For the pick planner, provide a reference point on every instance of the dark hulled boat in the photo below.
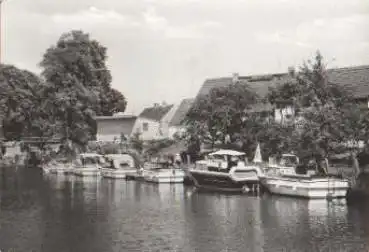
(225, 170)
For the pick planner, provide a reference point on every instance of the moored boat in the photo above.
(307, 186)
(225, 170)
(119, 166)
(161, 172)
(87, 165)
(164, 175)
(283, 179)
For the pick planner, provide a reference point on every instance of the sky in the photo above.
(163, 50)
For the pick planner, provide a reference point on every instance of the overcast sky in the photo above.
(163, 50)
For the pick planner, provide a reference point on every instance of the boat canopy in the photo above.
(87, 155)
(288, 155)
(89, 158)
(120, 159)
(227, 153)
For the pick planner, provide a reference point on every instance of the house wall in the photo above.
(108, 129)
(283, 114)
(154, 129)
(175, 129)
(166, 119)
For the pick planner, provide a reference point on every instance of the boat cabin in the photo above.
(119, 161)
(222, 160)
(285, 165)
(88, 160)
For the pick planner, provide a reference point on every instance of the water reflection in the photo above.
(226, 222)
(54, 213)
(302, 224)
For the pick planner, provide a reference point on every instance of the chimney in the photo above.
(156, 105)
(291, 71)
(234, 78)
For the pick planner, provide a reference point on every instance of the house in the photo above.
(150, 124)
(353, 79)
(110, 128)
(176, 122)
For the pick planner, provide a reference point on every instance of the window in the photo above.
(145, 126)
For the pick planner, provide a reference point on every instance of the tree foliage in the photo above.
(329, 116)
(79, 84)
(75, 85)
(136, 143)
(326, 117)
(220, 114)
(22, 104)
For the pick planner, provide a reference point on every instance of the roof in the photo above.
(115, 117)
(354, 79)
(181, 112)
(155, 113)
(258, 83)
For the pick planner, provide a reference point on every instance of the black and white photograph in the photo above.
(184, 125)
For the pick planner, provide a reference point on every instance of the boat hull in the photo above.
(61, 171)
(171, 176)
(116, 173)
(306, 188)
(86, 172)
(58, 169)
(223, 181)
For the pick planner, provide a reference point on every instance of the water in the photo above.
(57, 214)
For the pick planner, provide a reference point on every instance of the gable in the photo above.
(181, 112)
(155, 113)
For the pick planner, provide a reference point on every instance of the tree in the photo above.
(26, 112)
(113, 102)
(78, 84)
(330, 117)
(219, 114)
(137, 143)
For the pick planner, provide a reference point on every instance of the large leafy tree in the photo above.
(219, 116)
(79, 84)
(24, 110)
(329, 117)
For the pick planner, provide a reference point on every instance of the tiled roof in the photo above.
(115, 117)
(354, 79)
(258, 83)
(181, 112)
(155, 113)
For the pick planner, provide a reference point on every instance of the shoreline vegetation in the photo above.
(319, 119)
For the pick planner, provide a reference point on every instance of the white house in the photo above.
(175, 124)
(150, 123)
(110, 128)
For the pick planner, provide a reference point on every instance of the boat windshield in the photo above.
(216, 157)
(289, 160)
(89, 160)
(116, 163)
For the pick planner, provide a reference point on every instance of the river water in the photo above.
(60, 214)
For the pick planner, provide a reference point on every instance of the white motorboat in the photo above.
(87, 165)
(282, 179)
(164, 175)
(157, 172)
(119, 165)
(225, 170)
